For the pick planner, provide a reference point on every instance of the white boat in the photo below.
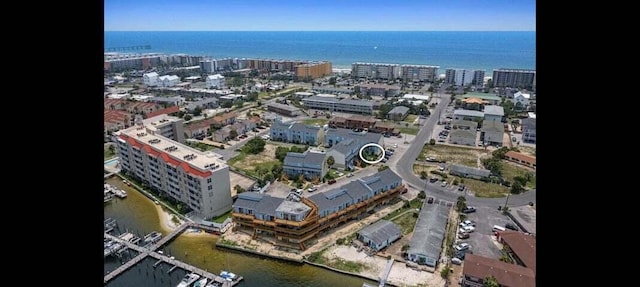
(228, 276)
(188, 280)
(201, 283)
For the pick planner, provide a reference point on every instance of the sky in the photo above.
(322, 15)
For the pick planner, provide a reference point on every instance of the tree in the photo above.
(238, 103)
(254, 146)
(332, 81)
(281, 153)
(383, 167)
(227, 105)
(330, 161)
(490, 281)
(499, 153)
(188, 117)
(461, 203)
(197, 111)
(233, 134)
(422, 194)
(520, 179)
(239, 188)
(432, 141)
(517, 188)
(423, 175)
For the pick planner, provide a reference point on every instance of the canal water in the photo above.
(138, 214)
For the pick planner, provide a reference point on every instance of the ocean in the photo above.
(464, 50)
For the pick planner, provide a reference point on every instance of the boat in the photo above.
(228, 276)
(188, 280)
(201, 283)
(152, 237)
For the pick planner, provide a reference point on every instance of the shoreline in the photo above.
(167, 225)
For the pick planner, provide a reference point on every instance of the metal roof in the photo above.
(429, 231)
(305, 159)
(380, 231)
(258, 202)
(461, 169)
(469, 113)
(494, 110)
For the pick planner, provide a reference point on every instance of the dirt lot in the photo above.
(373, 266)
(241, 180)
(251, 161)
(453, 154)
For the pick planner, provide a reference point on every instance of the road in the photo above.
(404, 168)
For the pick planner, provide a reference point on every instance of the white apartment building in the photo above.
(419, 73)
(198, 179)
(168, 81)
(216, 80)
(375, 71)
(150, 79)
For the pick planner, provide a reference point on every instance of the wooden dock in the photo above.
(144, 252)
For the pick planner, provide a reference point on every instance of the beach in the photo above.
(167, 223)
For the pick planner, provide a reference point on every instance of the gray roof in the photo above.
(462, 169)
(492, 126)
(465, 123)
(365, 103)
(347, 146)
(166, 99)
(380, 179)
(307, 158)
(471, 134)
(468, 113)
(347, 133)
(260, 203)
(494, 110)
(284, 107)
(295, 126)
(353, 190)
(399, 110)
(429, 230)
(528, 124)
(292, 207)
(380, 231)
(320, 99)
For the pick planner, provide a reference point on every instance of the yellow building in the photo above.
(313, 70)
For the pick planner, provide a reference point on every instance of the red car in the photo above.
(332, 181)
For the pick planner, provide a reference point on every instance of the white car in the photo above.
(468, 223)
(467, 229)
(462, 246)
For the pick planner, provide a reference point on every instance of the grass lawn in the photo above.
(452, 154)
(417, 168)
(108, 154)
(410, 131)
(410, 119)
(481, 188)
(221, 218)
(509, 171)
(200, 146)
(338, 263)
(333, 173)
(315, 121)
(263, 95)
(415, 203)
(406, 222)
(250, 162)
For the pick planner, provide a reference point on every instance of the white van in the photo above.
(498, 228)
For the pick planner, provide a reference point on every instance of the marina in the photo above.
(118, 244)
(109, 189)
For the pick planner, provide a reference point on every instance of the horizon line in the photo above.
(319, 30)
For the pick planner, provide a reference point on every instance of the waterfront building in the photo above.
(375, 71)
(199, 180)
(514, 78)
(313, 70)
(428, 234)
(296, 222)
(419, 73)
(379, 235)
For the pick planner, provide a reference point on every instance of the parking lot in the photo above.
(481, 239)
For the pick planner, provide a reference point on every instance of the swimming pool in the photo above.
(111, 161)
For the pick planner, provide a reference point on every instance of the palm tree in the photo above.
(330, 161)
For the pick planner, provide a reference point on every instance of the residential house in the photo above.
(215, 81)
(223, 134)
(116, 120)
(346, 144)
(477, 268)
(520, 158)
(398, 113)
(379, 235)
(469, 172)
(225, 119)
(470, 115)
(285, 110)
(353, 122)
(295, 132)
(521, 100)
(309, 164)
(150, 79)
(493, 113)
(492, 133)
(206, 103)
(490, 99)
(425, 246)
(168, 81)
(463, 137)
(529, 130)
(522, 247)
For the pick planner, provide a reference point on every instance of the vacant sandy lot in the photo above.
(400, 274)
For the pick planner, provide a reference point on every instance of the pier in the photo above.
(150, 250)
(385, 274)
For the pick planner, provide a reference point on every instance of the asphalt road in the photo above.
(404, 168)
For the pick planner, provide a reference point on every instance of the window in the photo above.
(210, 188)
(208, 180)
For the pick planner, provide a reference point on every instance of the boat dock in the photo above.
(385, 274)
(109, 189)
(125, 240)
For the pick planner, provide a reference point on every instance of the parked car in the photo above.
(461, 254)
(332, 181)
(430, 200)
(456, 261)
(469, 209)
(463, 235)
(468, 223)
(461, 187)
(350, 175)
(511, 226)
(443, 184)
(462, 246)
(433, 179)
(467, 228)
(311, 189)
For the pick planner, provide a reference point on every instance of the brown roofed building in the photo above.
(521, 158)
(523, 247)
(381, 127)
(167, 111)
(225, 119)
(353, 122)
(116, 120)
(477, 268)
